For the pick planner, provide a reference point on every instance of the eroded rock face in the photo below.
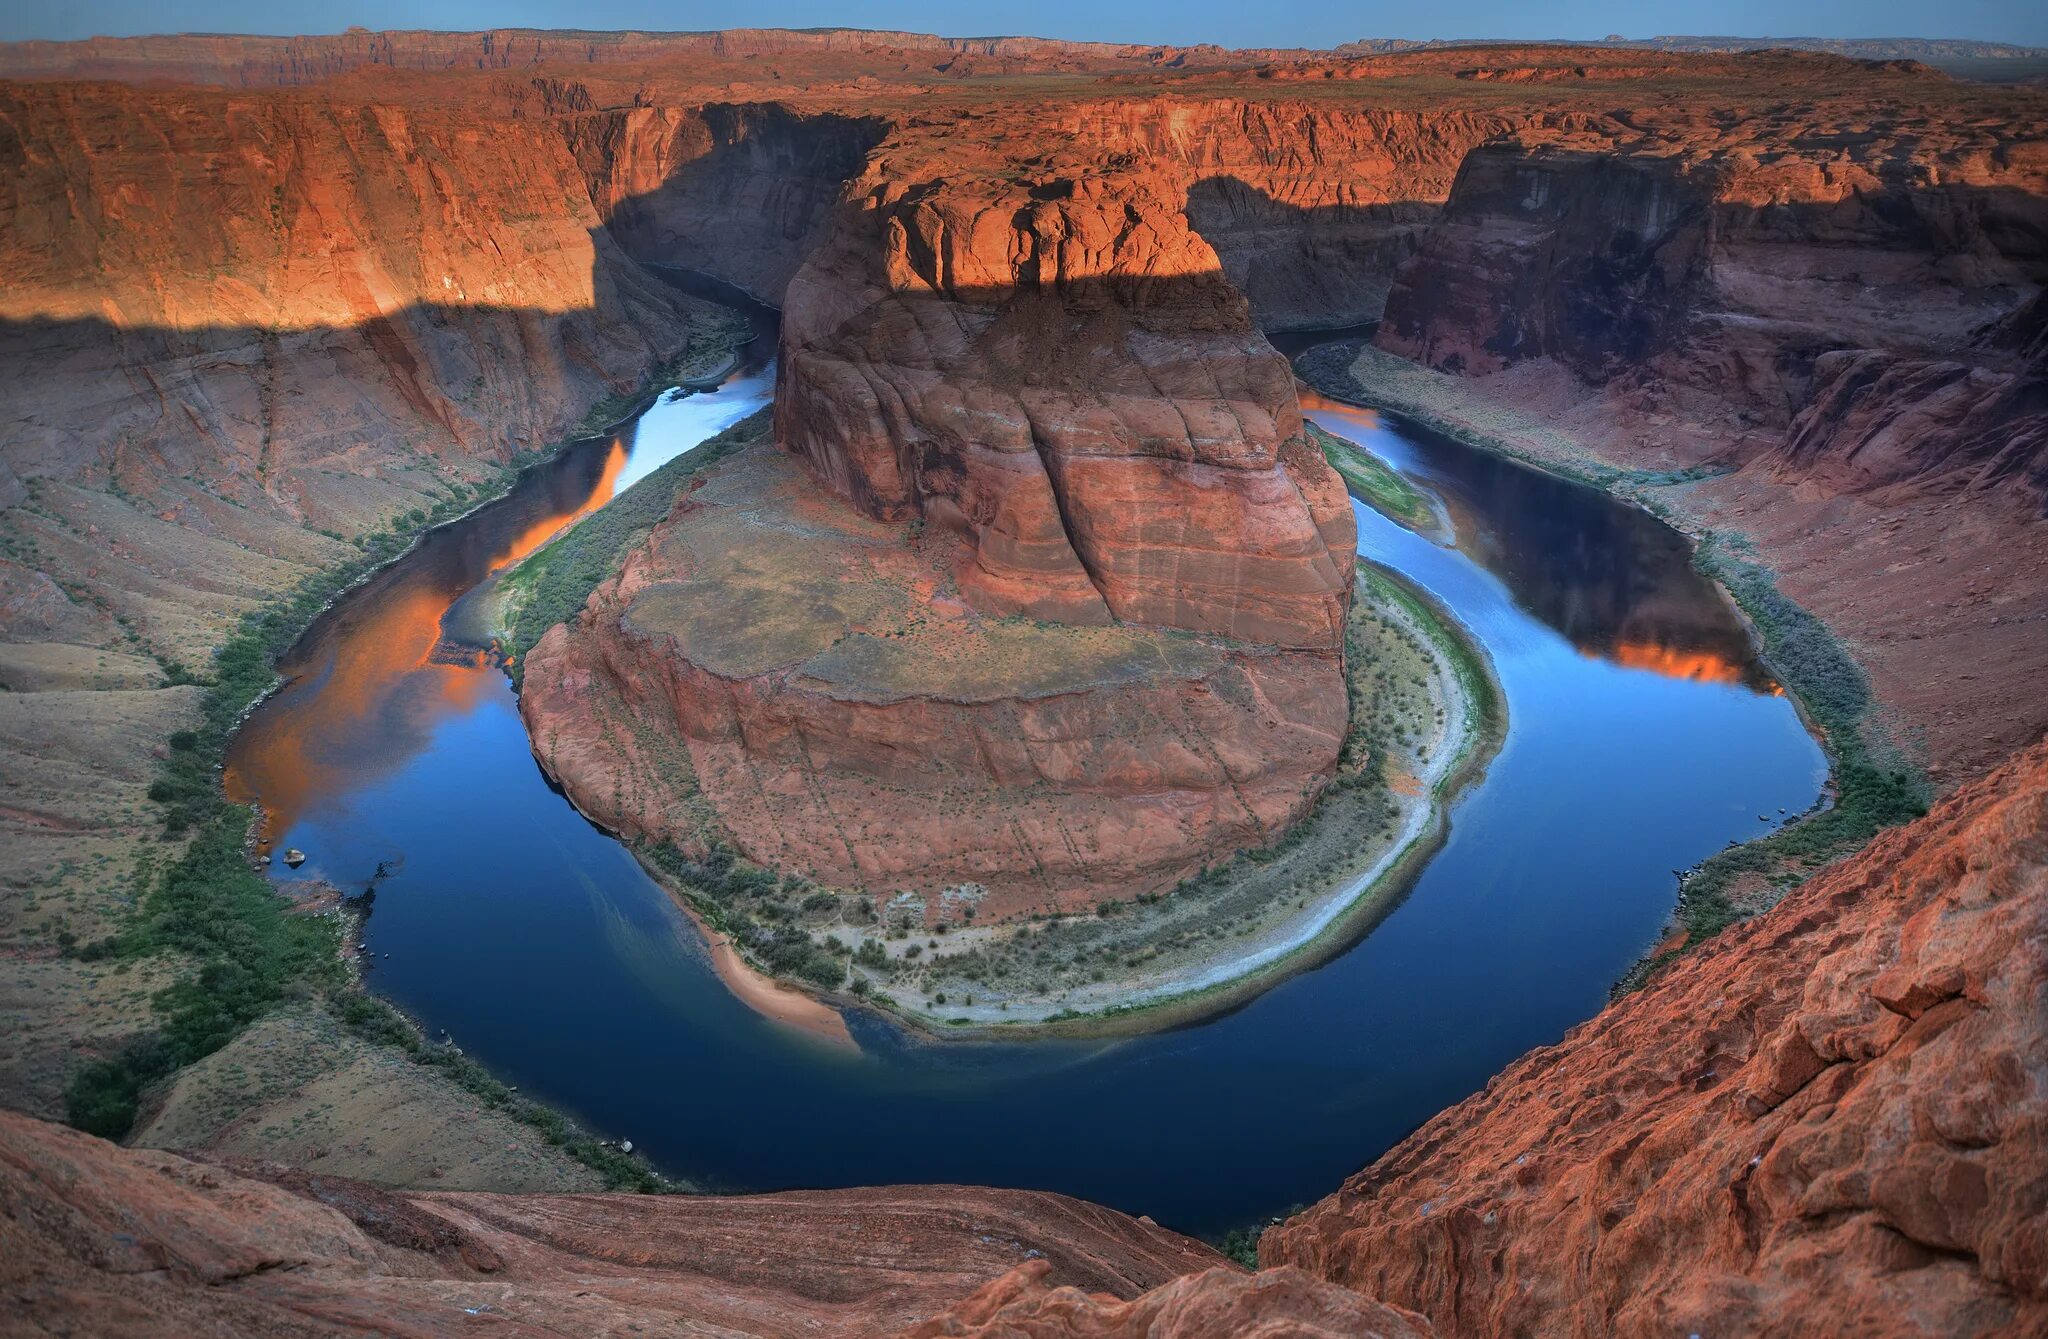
(1049, 362)
(847, 715)
(740, 192)
(1974, 420)
(266, 294)
(1834, 1117)
(1275, 1304)
(142, 1243)
(1822, 288)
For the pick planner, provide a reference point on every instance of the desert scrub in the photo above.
(552, 584)
(715, 335)
(1873, 789)
(241, 948)
(1372, 482)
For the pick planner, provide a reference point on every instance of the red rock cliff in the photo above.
(1047, 360)
(140, 1243)
(1833, 1118)
(266, 291)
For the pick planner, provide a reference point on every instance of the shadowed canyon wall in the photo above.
(245, 328)
(1827, 289)
(741, 192)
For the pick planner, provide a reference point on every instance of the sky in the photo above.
(1229, 22)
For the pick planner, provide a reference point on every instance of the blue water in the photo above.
(537, 942)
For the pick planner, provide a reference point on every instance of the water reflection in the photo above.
(366, 689)
(1617, 582)
(540, 943)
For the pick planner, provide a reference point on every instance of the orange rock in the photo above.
(845, 717)
(133, 1243)
(1048, 360)
(1275, 1304)
(1832, 1118)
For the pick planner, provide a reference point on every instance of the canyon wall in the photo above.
(1047, 361)
(1832, 1117)
(1838, 296)
(1312, 207)
(313, 311)
(739, 191)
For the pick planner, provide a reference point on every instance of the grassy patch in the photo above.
(551, 585)
(1872, 789)
(245, 948)
(1373, 483)
(715, 332)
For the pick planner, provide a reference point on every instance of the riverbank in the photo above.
(1874, 784)
(1427, 716)
(256, 953)
(1415, 777)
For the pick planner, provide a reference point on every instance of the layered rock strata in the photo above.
(1833, 1116)
(140, 1243)
(847, 714)
(1048, 362)
(1858, 311)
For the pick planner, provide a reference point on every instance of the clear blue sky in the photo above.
(1231, 22)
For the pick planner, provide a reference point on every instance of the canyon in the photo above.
(1835, 1110)
(1039, 537)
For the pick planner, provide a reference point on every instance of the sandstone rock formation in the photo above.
(140, 1243)
(1833, 1117)
(848, 716)
(741, 190)
(1275, 1304)
(1045, 359)
(1776, 286)
(328, 304)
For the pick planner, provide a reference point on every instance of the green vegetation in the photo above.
(247, 950)
(1241, 1244)
(715, 332)
(736, 897)
(1373, 483)
(243, 949)
(551, 585)
(1872, 790)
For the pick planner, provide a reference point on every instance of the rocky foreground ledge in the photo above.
(1832, 1119)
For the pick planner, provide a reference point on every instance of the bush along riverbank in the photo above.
(1426, 715)
(1873, 786)
(551, 585)
(244, 950)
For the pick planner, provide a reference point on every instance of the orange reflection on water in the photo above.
(373, 688)
(545, 529)
(1673, 663)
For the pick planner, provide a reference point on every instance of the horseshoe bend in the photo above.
(784, 681)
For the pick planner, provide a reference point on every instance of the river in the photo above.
(1643, 736)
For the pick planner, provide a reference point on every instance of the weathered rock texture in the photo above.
(1833, 1117)
(741, 191)
(1832, 291)
(140, 1243)
(846, 714)
(1045, 359)
(1275, 1304)
(255, 316)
